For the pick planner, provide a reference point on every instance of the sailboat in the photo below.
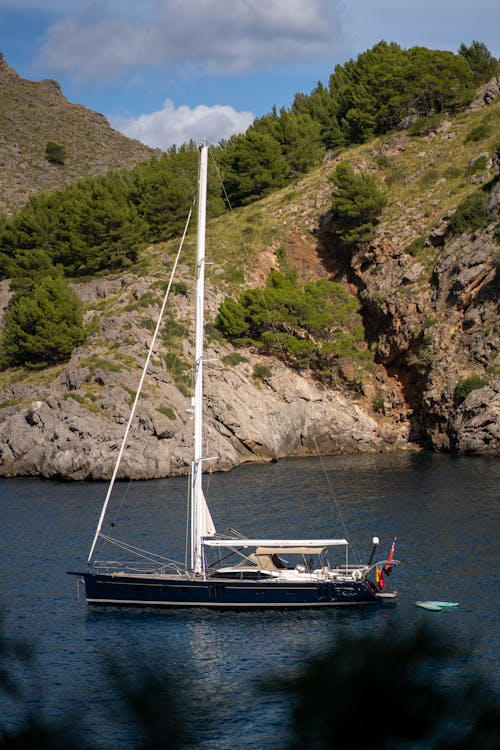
(230, 571)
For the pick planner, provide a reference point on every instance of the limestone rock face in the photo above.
(477, 424)
(487, 94)
(438, 327)
(73, 426)
(63, 435)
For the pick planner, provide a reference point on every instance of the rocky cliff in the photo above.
(437, 327)
(429, 302)
(71, 426)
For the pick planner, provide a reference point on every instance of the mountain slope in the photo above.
(33, 114)
(429, 300)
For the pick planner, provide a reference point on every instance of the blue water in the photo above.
(443, 510)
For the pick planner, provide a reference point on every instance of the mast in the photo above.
(197, 500)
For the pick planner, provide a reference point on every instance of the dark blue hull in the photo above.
(221, 593)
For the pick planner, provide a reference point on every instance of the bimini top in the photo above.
(289, 550)
(299, 546)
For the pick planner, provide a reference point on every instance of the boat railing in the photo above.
(136, 567)
(381, 564)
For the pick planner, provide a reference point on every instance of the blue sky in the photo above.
(165, 71)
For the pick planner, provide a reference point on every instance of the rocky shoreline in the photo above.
(430, 312)
(432, 328)
(60, 436)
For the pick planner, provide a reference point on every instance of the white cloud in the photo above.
(176, 125)
(215, 36)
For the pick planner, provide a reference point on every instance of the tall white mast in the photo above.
(198, 504)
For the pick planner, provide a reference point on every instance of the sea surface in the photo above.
(443, 510)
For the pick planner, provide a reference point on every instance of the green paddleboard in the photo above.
(436, 606)
(429, 605)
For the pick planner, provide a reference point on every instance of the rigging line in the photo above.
(124, 497)
(188, 524)
(330, 486)
(139, 388)
(245, 248)
(112, 524)
(148, 555)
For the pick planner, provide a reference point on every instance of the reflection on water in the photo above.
(443, 509)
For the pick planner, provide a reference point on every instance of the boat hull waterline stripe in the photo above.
(227, 594)
(220, 605)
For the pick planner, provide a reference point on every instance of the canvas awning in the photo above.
(289, 550)
(284, 544)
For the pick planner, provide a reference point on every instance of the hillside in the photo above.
(33, 114)
(429, 300)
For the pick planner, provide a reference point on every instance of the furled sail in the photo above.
(208, 526)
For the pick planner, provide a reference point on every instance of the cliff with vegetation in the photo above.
(46, 142)
(352, 301)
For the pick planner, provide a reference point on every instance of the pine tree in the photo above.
(42, 325)
(253, 166)
(481, 61)
(357, 204)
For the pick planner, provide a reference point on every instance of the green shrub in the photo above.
(425, 125)
(430, 177)
(212, 333)
(146, 300)
(167, 411)
(233, 359)
(180, 370)
(481, 131)
(42, 325)
(467, 385)
(470, 215)
(416, 246)
(479, 165)
(261, 372)
(96, 362)
(357, 203)
(422, 359)
(171, 330)
(395, 176)
(180, 287)
(147, 323)
(312, 325)
(55, 153)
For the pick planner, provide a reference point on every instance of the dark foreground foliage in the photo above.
(391, 692)
(371, 693)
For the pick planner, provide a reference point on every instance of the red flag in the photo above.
(379, 578)
(390, 557)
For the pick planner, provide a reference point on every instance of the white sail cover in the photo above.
(275, 543)
(208, 526)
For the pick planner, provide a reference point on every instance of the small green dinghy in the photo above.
(436, 606)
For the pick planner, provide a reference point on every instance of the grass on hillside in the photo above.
(424, 176)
